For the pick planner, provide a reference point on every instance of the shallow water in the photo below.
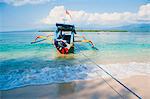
(22, 63)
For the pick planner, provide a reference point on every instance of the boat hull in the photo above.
(63, 47)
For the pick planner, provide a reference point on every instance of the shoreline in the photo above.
(84, 89)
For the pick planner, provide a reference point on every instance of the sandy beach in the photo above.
(89, 89)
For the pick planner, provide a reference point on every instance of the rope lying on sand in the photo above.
(111, 77)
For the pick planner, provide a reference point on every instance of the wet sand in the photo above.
(89, 89)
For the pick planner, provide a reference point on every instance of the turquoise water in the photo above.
(22, 63)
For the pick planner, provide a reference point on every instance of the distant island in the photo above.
(142, 27)
(101, 31)
(88, 31)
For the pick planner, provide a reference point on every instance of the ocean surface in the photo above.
(122, 54)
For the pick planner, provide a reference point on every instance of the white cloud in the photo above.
(23, 2)
(144, 12)
(57, 14)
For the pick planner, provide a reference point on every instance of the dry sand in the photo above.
(89, 89)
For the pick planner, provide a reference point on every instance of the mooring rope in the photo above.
(111, 77)
(110, 86)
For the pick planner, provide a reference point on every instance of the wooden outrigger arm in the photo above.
(84, 40)
(43, 38)
(48, 37)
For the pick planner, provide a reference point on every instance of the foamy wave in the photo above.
(126, 70)
(47, 75)
(44, 75)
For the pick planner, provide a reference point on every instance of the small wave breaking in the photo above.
(47, 75)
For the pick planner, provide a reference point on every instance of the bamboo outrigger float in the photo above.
(64, 38)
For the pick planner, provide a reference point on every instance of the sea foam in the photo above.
(47, 75)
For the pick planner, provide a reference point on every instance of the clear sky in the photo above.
(16, 15)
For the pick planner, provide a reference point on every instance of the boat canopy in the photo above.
(65, 27)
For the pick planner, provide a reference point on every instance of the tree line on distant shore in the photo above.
(88, 31)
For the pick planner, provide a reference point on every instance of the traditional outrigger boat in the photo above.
(64, 38)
